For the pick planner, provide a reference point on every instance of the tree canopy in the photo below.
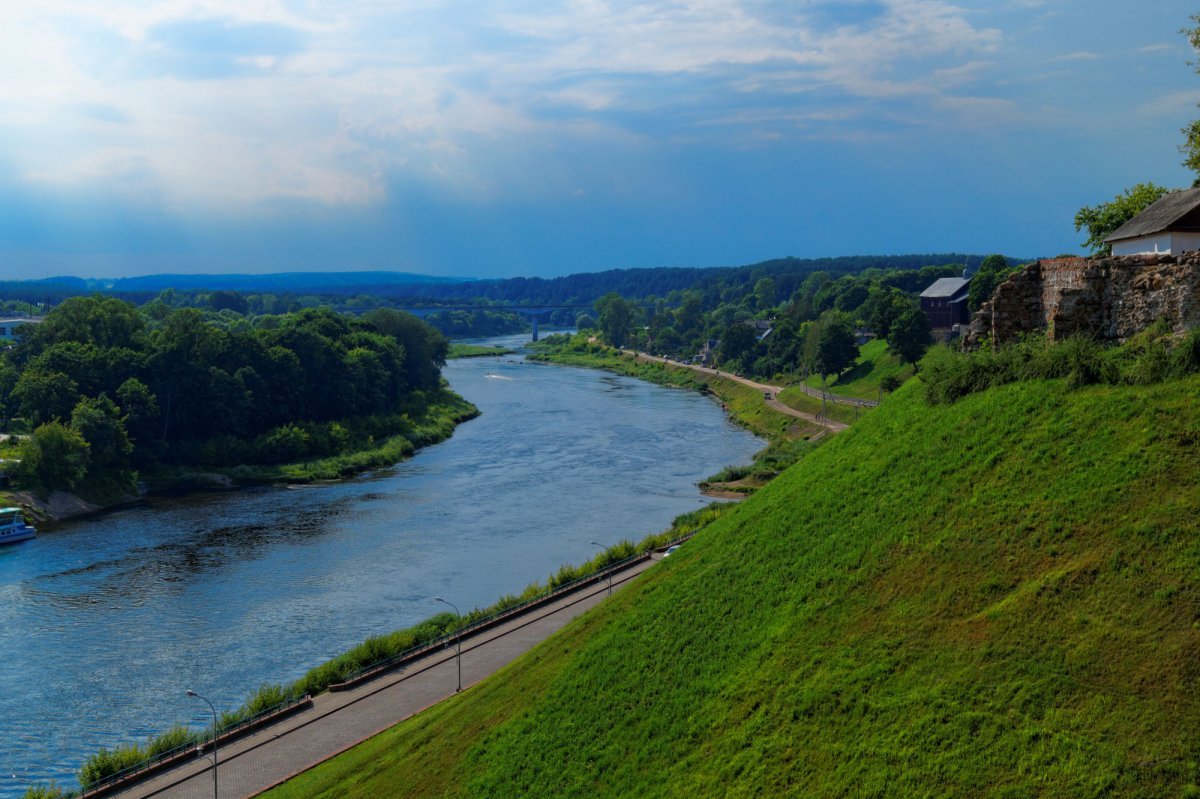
(1191, 132)
(1101, 220)
(185, 390)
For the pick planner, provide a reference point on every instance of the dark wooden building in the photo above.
(945, 302)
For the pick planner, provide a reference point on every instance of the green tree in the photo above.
(992, 272)
(98, 420)
(54, 457)
(1190, 149)
(228, 300)
(738, 343)
(689, 316)
(8, 403)
(141, 418)
(102, 321)
(837, 345)
(884, 304)
(42, 396)
(910, 336)
(425, 348)
(765, 295)
(1101, 220)
(615, 316)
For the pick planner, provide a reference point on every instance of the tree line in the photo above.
(106, 388)
(813, 328)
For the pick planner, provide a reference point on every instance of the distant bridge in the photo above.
(531, 311)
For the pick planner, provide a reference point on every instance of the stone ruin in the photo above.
(1109, 298)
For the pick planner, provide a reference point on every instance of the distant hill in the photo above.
(586, 287)
(581, 288)
(278, 282)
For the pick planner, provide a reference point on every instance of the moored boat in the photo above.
(13, 527)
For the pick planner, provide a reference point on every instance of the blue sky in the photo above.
(543, 137)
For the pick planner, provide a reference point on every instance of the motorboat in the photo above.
(13, 527)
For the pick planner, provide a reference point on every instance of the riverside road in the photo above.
(338, 721)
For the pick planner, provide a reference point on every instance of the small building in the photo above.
(945, 302)
(1169, 226)
(707, 353)
(9, 325)
(761, 328)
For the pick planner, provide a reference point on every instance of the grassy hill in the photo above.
(862, 381)
(999, 597)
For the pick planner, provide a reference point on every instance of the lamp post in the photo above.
(201, 749)
(609, 575)
(457, 640)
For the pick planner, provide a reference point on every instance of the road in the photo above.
(338, 721)
(831, 425)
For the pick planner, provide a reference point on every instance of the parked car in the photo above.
(671, 549)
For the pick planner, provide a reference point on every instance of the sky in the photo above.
(545, 137)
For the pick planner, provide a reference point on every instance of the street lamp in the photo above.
(457, 640)
(602, 546)
(200, 749)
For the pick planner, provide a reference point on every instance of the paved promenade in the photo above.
(337, 721)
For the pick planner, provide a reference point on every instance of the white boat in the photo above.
(13, 527)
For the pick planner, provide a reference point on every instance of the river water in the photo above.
(105, 622)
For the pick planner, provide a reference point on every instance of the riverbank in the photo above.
(789, 437)
(461, 350)
(379, 653)
(444, 411)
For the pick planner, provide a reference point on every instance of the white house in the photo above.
(9, 325)
(1168, 226)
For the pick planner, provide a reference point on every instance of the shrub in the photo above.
(285, 443)
(1185, 358)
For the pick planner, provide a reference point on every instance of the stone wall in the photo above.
(1109, 298)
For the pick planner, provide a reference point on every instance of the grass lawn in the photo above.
(460, 350)
(998, 598)
(875, 364)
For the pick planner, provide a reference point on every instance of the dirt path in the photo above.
(831, 425)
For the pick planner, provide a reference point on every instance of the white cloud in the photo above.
(1172, 104)
(375, 90)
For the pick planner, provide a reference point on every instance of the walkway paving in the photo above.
(338, 721)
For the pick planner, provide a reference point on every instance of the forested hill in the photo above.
(587, 287)
(582, 288)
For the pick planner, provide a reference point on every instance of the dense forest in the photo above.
(106, 388)
(788, 273)
(767, 323)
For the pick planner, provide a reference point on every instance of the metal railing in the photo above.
(171, 756)
(479, 625)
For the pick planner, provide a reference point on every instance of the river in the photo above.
(106, 622)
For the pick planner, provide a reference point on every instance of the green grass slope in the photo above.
(995, 598)
(862, 381)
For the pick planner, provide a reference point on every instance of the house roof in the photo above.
(1179, 210)
(946, 288)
